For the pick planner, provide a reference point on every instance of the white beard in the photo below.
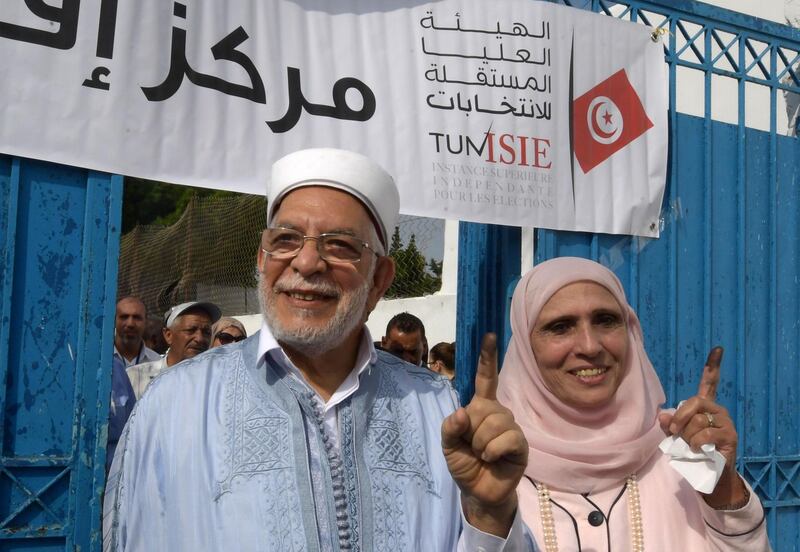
(314, 341)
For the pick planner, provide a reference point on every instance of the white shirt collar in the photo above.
(366, 357)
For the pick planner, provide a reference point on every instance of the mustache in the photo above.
(315, 284)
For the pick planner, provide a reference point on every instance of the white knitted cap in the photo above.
(344, 170)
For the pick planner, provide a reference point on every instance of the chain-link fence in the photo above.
(417, 246)
(210, 254)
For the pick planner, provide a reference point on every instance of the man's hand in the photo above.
(486, 451)
(700, 420)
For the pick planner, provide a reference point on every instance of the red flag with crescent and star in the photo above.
(607, 118)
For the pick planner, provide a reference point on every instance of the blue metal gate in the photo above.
(59, 242)
(726, 268)
(724, 271)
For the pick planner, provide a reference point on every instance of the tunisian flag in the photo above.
(606, 119)
(619, 127)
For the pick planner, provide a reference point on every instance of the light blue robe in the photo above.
(227, 452)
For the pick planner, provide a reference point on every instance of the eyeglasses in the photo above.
(225, 338)
(285, 243)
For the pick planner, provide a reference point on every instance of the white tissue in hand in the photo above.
(701, 469)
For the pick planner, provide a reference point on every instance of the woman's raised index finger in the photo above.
(710, 380)
(486, 375)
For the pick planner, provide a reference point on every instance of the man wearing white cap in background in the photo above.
(303, 436)
(187, 331)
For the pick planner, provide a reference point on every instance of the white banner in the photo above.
(509, 112)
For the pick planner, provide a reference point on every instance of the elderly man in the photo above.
(304, 437)
(129, 326)
(187, 331)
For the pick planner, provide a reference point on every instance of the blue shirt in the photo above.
(229, 451)
(122, 402)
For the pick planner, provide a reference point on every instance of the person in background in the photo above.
(227, 330)
(154, 335)
(129, 328)
(187, 332)
(443, 359)
(405, 338)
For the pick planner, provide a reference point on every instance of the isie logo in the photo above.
(504, 149)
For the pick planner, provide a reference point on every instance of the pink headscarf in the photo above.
(576, 450)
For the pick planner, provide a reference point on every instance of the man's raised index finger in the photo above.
(710, 380)
(486, 375)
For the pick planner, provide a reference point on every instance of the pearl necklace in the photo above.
(634, 515)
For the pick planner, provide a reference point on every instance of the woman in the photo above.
(579, 382)
(227, 330)
(443, 359)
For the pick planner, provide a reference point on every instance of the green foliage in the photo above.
(436, 269)
(397, 243)
(147, 202)
(415, 276)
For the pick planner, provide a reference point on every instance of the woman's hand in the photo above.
(700, 420)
